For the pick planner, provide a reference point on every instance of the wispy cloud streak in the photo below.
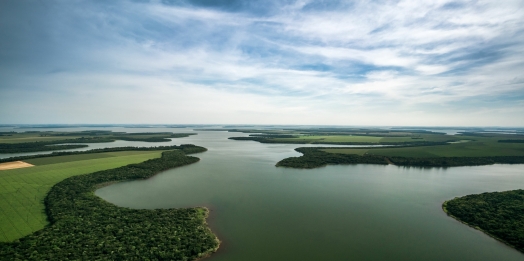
(315, 61)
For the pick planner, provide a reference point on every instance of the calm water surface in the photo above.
(351, 212)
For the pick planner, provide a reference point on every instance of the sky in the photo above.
(382, 63)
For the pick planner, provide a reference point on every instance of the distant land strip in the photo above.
(14, 142)
(314, 157)
(512, 141)
(65, 153)
(270, 139)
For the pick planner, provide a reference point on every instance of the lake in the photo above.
(346, 212)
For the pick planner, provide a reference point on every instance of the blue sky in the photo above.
(438, 63)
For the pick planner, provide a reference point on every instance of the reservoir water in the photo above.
(347, 212)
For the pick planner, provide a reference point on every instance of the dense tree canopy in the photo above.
(315, 157)
(499, 214)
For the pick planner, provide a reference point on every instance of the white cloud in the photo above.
(404, 57)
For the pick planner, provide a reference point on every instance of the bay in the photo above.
(347, 212)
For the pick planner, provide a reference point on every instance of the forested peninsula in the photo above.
(85, 227)
(498, 214)
(315, 157)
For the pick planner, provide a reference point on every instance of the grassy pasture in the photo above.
(64, 159)
(22, 191)
(333, 138)
(32, 137)
(347, 151)
(371, 139)
(422, 137)
(49, 136)
(70, 158)
(481, 147)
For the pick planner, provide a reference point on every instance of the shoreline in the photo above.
(314, 157)
(475, 227)
(206, 216)
(207, 212)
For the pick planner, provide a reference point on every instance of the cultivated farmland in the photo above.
(22, 191)
(472, 147)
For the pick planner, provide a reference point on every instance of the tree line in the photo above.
(85, 227)
(315, 157)
(499, 214)
(512, 141)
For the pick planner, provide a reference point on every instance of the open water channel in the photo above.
(347, 212)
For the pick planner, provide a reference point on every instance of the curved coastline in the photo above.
(496, 214)
(206, 216)
(84, 226)
(473, 226)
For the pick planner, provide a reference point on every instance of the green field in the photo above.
(347, 151)
(32, 137)
(22, 191)
(406, 149)
(474, 147)
(334, 138)
(351, 137)
(15, 142)
(466, 148)
(104, 136)
(70, 158)
(371, 139)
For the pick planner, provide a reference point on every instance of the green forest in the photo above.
(315, 157)
(499, 214)
(85, 227)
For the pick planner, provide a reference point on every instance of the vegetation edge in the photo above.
(313, 157)
(490, 213)
(78, 218)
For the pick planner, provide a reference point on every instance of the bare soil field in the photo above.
(14, 165)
